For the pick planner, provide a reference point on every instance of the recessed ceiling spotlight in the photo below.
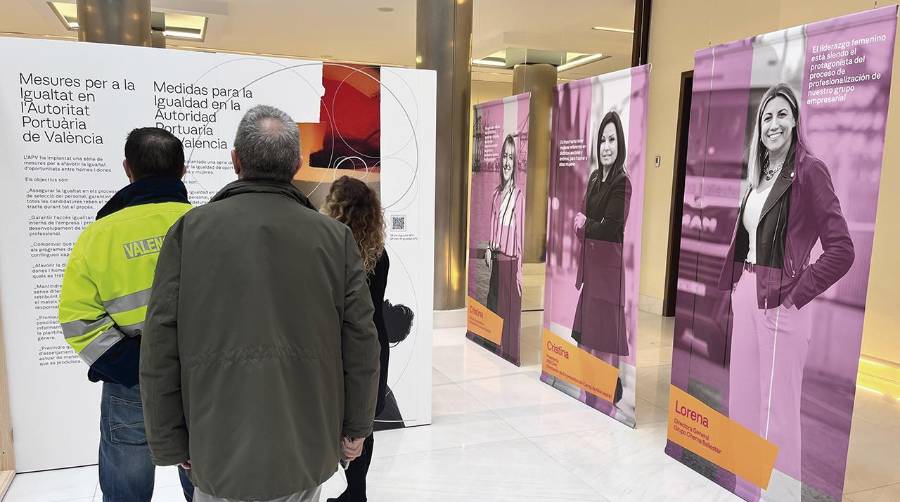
(614, 30)
(385, 9)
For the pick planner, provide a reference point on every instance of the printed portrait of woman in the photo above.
(600, 325)
(504, 253)
(789, 206)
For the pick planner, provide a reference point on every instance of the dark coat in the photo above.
(377, 284)
(600, 322)
(606, 208)
(800, 210)
(259, 349)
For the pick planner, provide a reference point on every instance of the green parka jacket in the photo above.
(259, 350)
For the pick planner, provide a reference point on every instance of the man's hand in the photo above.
(351, 448)
(186, 465)
(487, 257)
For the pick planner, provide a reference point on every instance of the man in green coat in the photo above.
(259, 364)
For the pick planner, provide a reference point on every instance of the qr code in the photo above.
(398, 223)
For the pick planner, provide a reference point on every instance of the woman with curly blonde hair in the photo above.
(354, 204)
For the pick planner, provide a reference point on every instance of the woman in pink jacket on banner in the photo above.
(504, 253)
(789, 206)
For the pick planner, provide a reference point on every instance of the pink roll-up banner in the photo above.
(497, 225)
(595, 213)
(783, 170)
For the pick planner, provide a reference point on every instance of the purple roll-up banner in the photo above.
(497, 225)
(594, 240)
(783, 169)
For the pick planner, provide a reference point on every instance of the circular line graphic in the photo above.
(283, 68)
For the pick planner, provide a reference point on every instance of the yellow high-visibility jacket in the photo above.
(106, 287)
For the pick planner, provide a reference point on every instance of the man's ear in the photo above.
(299, 165)
(128, 171)
(236, 162)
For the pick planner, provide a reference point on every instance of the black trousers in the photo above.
(356, 474)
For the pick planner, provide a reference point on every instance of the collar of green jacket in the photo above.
(253, 185)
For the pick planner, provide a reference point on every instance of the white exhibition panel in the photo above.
(65, 109)
(408, 121)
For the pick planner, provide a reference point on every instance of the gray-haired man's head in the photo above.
(267, 145)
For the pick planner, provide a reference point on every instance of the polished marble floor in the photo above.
(499, 434)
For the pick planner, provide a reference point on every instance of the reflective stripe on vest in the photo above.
(81, 328)
(132, 329)
(128, 302)
(91, 339)
(100, 344)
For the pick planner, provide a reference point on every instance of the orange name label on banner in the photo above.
(567, 362)
(483, 322)
(706, 432)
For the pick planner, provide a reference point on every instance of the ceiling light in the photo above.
(574, 56)
(495, 60)
(179, 26)
(187, 35)
(614, 30)
(512, 57)
(67, 13)
(185, 26)
(581, 61)
(493, 63)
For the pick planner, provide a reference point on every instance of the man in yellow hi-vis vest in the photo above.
(104, 298)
